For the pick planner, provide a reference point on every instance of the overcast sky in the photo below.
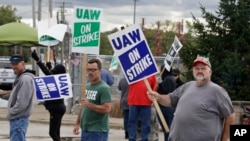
(117, 13)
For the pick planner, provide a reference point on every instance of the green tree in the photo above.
(226, 39)
(167, 34)
(8, 14)
(105, 46)
(168, 31)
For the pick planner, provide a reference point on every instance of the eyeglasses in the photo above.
(91, 69)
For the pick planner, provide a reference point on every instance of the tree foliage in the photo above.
(8, 14)
(167, 34)
(105, 46)
(225, 37)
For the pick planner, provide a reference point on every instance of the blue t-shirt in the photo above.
(107, 77)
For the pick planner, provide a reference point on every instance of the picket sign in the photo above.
(114, 63)
(52, 87)
(86, 30)
(173, 51)
(132, 50)
(86, 35)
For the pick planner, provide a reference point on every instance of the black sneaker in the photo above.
(126, 135)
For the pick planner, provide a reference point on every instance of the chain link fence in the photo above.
(76, 76)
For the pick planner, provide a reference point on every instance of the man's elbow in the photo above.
(111, 83)
(107, 108)
(230, 118)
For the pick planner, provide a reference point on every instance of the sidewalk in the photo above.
(41, 115)
(39, 121)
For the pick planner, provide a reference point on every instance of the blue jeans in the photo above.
(18, 129)
(168, 114)
(94, 136)
(135, 113)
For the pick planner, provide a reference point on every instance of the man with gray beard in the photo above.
(204, 110)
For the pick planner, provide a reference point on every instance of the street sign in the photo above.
(132, 50)
(86, 30)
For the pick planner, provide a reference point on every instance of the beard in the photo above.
(199, 78)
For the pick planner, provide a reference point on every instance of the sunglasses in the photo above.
(91, 69)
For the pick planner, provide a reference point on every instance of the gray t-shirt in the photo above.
(200, 112)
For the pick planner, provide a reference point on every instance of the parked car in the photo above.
(7, 76)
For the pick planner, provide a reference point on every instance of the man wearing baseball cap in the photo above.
(20, 100)
(16, 58)
(203, 60)
(204, 110)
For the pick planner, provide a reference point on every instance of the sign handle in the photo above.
(48, 54)
(48, 48)
(84, 73)
(158, 110)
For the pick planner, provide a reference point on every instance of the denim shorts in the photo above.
(94, 136)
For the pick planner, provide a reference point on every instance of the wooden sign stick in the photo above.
(158, 110)
(84, 73)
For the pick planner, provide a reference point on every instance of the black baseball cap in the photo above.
(175, 72)
(16, 58)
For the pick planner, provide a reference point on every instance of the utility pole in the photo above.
(50, 9)
(62, 14)
(142, 25)
(158, 40)
(180, 33)
(61, 19)
(63, 22)
(34, 67)
(39, 17)
(134, 10)
(34, 13)
(65, 52)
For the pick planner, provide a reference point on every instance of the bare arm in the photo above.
(226, 129)
(162, 99)
(103, 108)
(77, 124)
(5, 92)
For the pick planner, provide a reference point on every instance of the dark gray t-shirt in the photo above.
(123, 87)
(200, 112)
